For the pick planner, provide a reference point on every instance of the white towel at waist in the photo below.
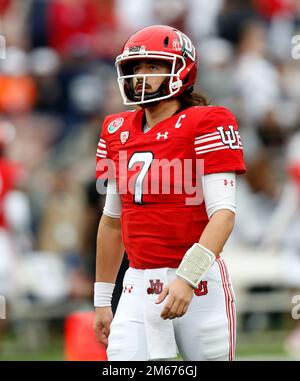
(160, 334)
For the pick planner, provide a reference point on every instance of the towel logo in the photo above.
(202, 288)
(128, 288)
(156, 286)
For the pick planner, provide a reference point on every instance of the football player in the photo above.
(177, 295)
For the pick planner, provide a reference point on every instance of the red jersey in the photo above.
(157, 176)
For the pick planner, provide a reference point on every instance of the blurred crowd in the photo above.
(58, 81)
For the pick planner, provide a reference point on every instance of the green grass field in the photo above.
(260, 346)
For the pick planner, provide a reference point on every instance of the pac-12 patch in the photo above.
(115, 125)
(124, 135)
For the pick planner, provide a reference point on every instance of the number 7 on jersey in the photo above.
(140, 157)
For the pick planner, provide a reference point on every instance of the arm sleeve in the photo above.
(218, 143)
(219, 191)
(113, 206)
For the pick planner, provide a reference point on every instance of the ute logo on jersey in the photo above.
(124, 135)
(115, 125)
(156, 286)
(230, 138)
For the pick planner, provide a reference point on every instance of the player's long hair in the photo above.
(189, 99)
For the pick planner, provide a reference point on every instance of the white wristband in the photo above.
(195, 264)
(103, 293)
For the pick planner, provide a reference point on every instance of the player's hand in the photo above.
(179, 295)
(102, 323)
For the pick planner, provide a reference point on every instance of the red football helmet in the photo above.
(157, 42)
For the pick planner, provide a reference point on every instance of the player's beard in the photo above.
(159, 92)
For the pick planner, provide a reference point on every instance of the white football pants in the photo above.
(206, 332)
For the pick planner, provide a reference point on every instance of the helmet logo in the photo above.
(176, 45)
(115, 125)
(187, 47)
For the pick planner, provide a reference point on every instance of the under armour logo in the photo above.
(128, 288)
(230, 138)
(160, 135)
(156, 287)
(226, 182)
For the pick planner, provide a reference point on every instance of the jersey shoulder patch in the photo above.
(112, 123)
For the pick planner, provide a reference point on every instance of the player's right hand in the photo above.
(102, 323)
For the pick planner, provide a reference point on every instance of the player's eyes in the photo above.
(136, 69)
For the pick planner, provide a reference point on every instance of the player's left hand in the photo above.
(179, 295)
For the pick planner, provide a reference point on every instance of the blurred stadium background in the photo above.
(57, 81)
